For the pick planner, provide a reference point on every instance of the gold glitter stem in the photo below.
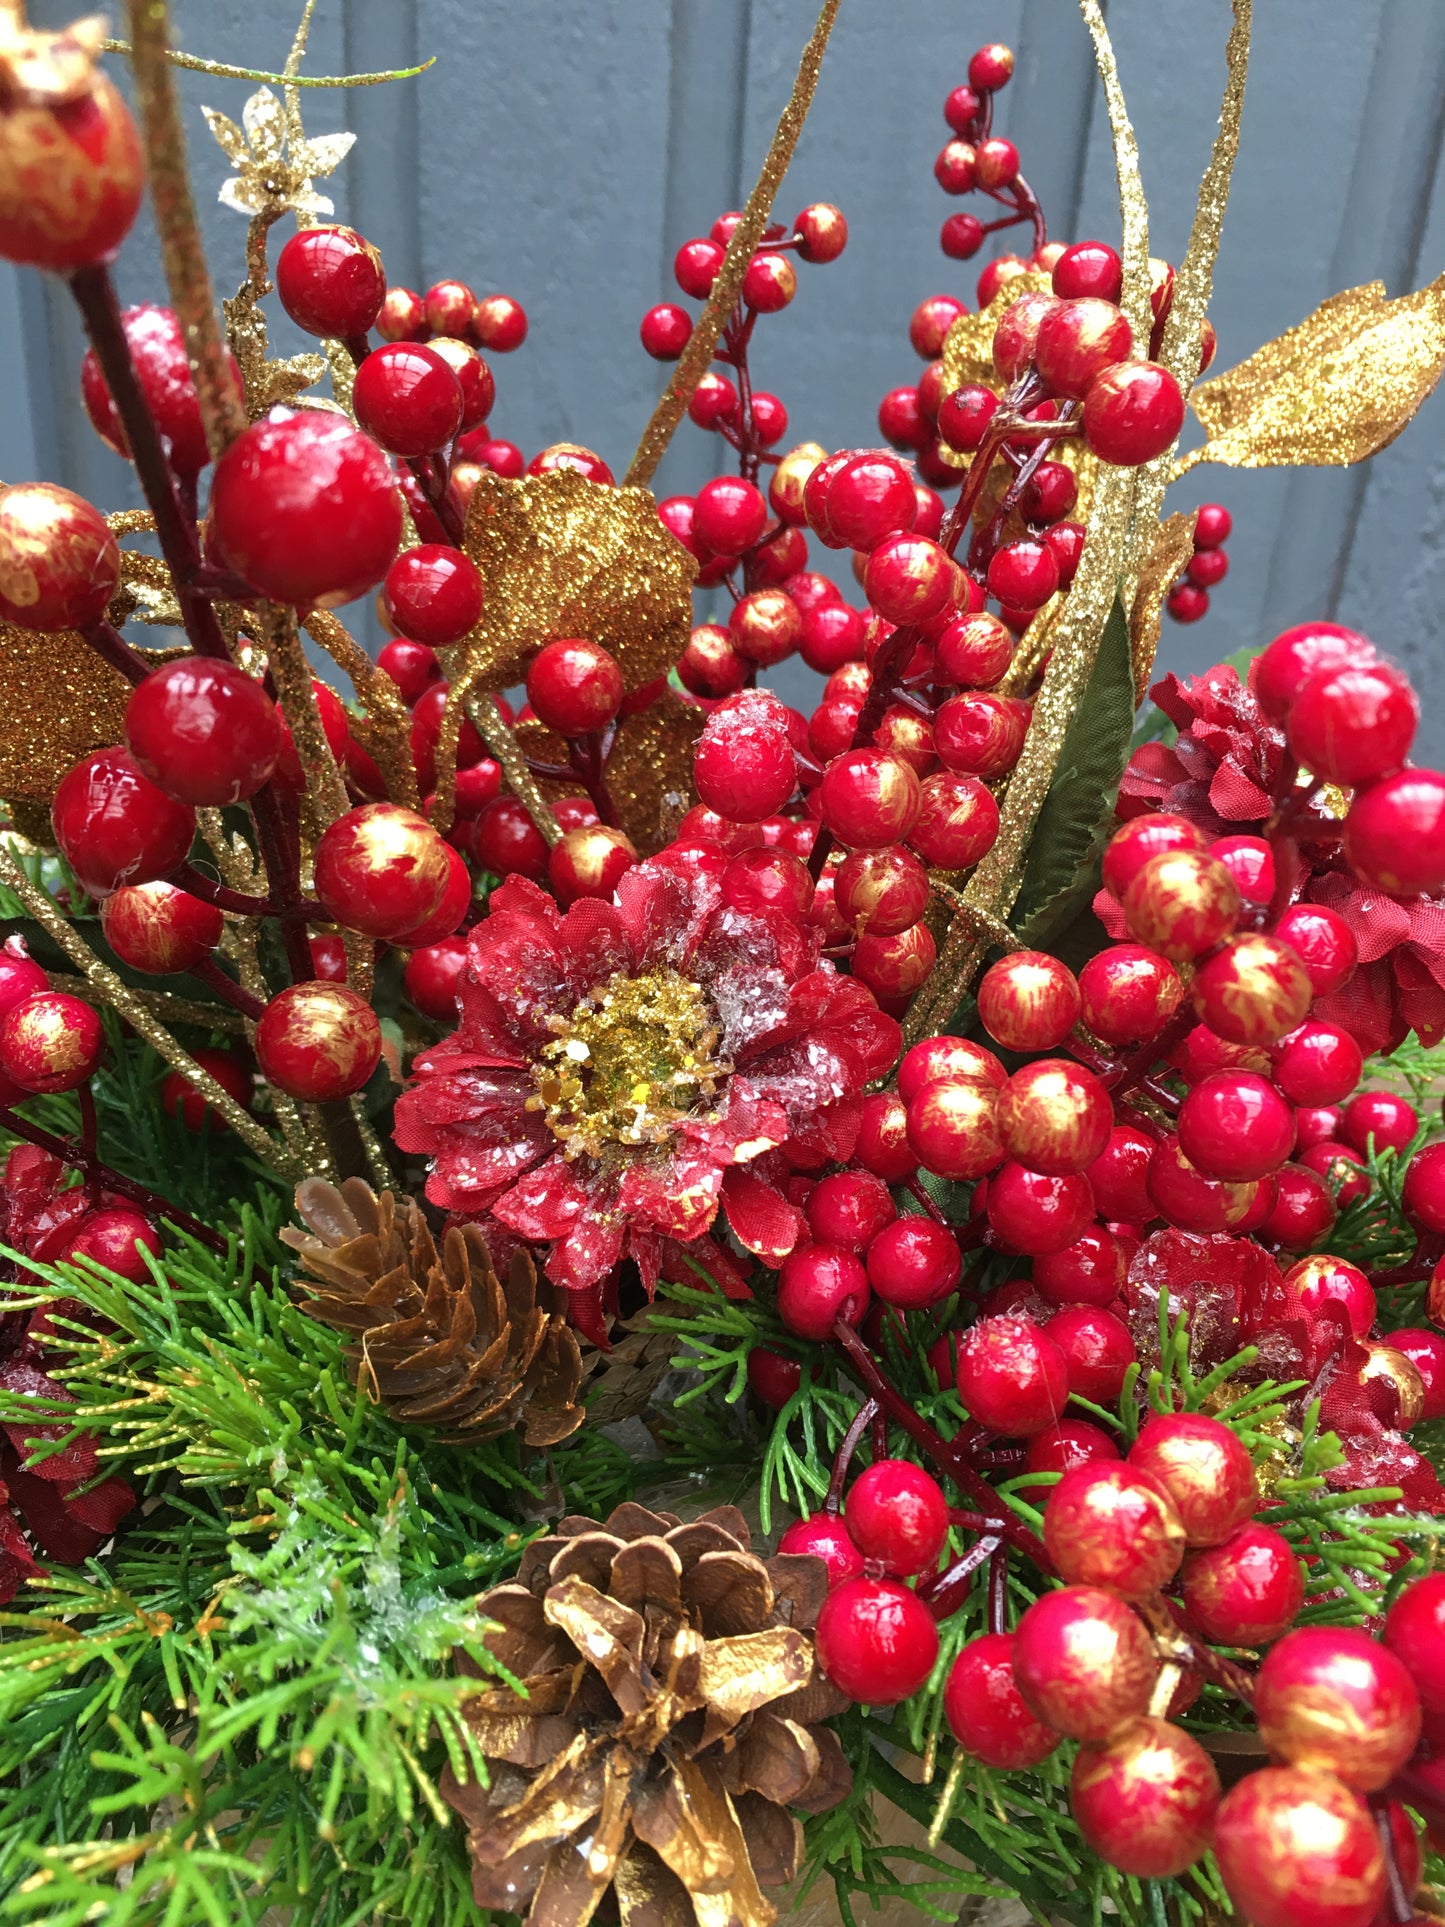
(381, 1172)
(170, 1009)
(222, 408)
(1133, 209)
(325, 789)
(193, 63)
(469, 673)
(503, 744)
(131, 522)
(697, 355)
(381, 699)
(104, 984)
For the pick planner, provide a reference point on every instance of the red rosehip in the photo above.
(1078, 341)
(1083, 1661)
(817, 1285)
(1253, 990)
(330, 281)
(1187, 1198)
(500, 323)
(1245, 1591)
(1012, 1377)
(1182, 903)
(59, 562)
(1054, 1116)
(824, 1536)
(115, 826)
(876, 1641)
(1296, 1845)
(318, 1041)
(1323, 942)
(665, 331)
(156, 928)
(432, 978)
(896, 1514)
(50, 1042)
(203, 730)
(1088, 270)
(1353, 725)
(1029, 1001)
(433, 595)
(1395, 833)
(957, 821)
(575, 686)
(1098, 1350)
(1145, 1798)
(986, 1712)
(306, 508)
(1334, 1699)
(381, 869)
(1118, 1176)
(1205, 1469)
(1281, 669)
(1073, 1441)
(1380, 1116)
(1236, 1126)
(1132, 413)
(913, 1263)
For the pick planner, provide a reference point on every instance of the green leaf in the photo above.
(1068, 837)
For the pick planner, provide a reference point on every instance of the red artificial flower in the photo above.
(622, 1071)
(1222, 769)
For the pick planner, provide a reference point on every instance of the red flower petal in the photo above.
(681, 1264)
(594, 945)
(583, 1258)
(17, 1561)
(544, 1203)
(78, 1460)
(762, 1221)
(678, 1197)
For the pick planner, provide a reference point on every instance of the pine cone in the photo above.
(669, 1727)
(442, 1341)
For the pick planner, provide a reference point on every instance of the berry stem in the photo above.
(113, 648)
(197, 884)
(998, 1590)
(89, 1127)
(1401, 1906)
(96, 1173)
(944, 1593)
(862, 1419)
(585, 763)
(210, 973)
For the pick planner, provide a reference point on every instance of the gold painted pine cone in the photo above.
(443, 1342)
(670, 1726)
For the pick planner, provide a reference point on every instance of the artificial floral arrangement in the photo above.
(623, 1308)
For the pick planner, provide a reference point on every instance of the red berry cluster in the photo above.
(1188, 600)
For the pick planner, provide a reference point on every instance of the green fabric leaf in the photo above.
(1069, 835)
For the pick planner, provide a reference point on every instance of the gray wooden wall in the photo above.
(561, 149)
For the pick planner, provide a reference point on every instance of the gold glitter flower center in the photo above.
(635, 1057)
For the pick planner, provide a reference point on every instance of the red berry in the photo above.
(450, 308)
(1078, 341)
(1246, 1591)
(71, 167)
(1117, 1176)
(1253, 990)
(1023, 574)
(896, 1514)
(769, 282)
(871, 496)
(20, 975)
(980, 734)
(745, 772)
(1338, 1164)
(1250, 861)
(1187, 603)
(1316, 1125)
(452, 906)
(432, 978)
(986, 1712)
(1098, 1350)
(1011, 1375)
(997, 275)
(433, 595)
(849, 1209)
(381, 869)
(729, 515)
(1109, 1525)
(930, 322)
(1323, 1281)
(408, 398)
(115, 826)
(1425, 1350)
(585, 461)
(575, 686)
(953, 1128)
(955, 169)
(997, 162)
(765, 626)
(1353, 725)
(318, 1041)
(817, 1285)
(1389, 1120)
(1073, 1441)
(895, 966)
(1212, 525)
(913, 1263)
(957, 821)
(822, 232)
(910, 579)
(1395, 833)
(156, 928)
(1143, 837)
(1029, 1001)
(1050, 492)
(1187, 1198)
(1303, 1211)
(948, 1057)
(1054, 1116)
(1017, 331)
(1323, 942)
(883, 1146)
(1236, 1126)
(881, 892)
(117, 1238)
(870, 798)
(1207, 568)
(1145, 1798)
(824, 1536)
(203, 730)
(1036, 1214)
(1132, 413)
(1415, 1634)
(50, 1042)
(1083, 1661)
(500, 323)
(1317, 1064)
(1281, 669)
(1090, 1271)
(990, 68)
(1205, 1469)
(1088, 269)
(973, 651)
(59, 562)
(402, 315)
(769, 880)
(1333, 1698)
(1296, 1846)
(590, 861)
(964, 416)
(1129, 993)
(306, 508)
(876, 1641)
(163, 370)
(330, 281)
(1181, 903)
(665, 331)
(181, 1100)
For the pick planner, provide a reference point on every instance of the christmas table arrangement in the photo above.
(640, 1304)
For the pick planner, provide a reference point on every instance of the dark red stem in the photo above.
(210, 973)
(863, 1418)
(100, 1174)
(113, 648)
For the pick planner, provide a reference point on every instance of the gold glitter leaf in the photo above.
(968, 345)
(649, 772)
(1165, 563)
(60, 701)
(1339, 387)
(561, 556)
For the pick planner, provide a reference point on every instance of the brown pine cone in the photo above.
(443, 1342)
(670, 1725)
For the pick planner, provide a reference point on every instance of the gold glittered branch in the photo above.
(194, 64)
(1133, 209)
(702, 342)
(223, 408)
(390, 735)
(503, 744)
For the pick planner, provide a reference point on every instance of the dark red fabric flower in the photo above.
(1222, 769)
(625, 1070)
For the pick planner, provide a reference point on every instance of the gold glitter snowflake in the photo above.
(275, 166)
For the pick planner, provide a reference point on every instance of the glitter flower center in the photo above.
(634, 1057)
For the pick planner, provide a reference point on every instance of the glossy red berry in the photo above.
(50, 1042)
(1129, 993)
(330, 281)
(203, 730)
(1322, 1281)
(306, 508)
(769, 282)
(870, 799)
(930, 322)
(1245, 1591)
(156, 928)
(1088, 270)
(896, 1514)
(1323, 942)
(765, 626)
(1132, 413)
(408, 398)
(883, 1146)
(1333, 1698)
(1415, 1634)
(876, 1641)
(1188, 1199)
(1425, 1350)
(1073, 1441)
(881, 892)
(402, 316)
(1236, 1126)
(946, 1056)
(1091, 1271)
(986, 1712)
(1054, 1116)
(665, 331)
(1109, 1525)
(1017, 331)
(1395, 833)
(1012, 1377)
(910, 579)
(1282, 668)
(433, 595)
(1145, 1798)
(1341, 1167)
(1143, 837)
(1083, 1661)
(1031, 1213)
(823, 1536)
(1098, 1350)
(1380, 1116)
(1023, 574)
(980, 734)
(318, 1041)
(115, 826)
(20, 975)
(729, 515)
(957, 821)
(575, 686)
(1118, 1176)
(953, 1128)
(1353, 725)
(1078, 341)
(870, 497)
(819, 1284)
(1029, 1001)
(1181, 903)
(1303, 1212)
(59, 562)
(913, 1263)
(163, 371)
(118, 1238)
(1318, 1064)
(1295, 1846)
(71, 167)
(590, 861)
(500, 323)
(1205, 1469)
(1253, 990)
(964, 416)
(432, 978)
(381, 869)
